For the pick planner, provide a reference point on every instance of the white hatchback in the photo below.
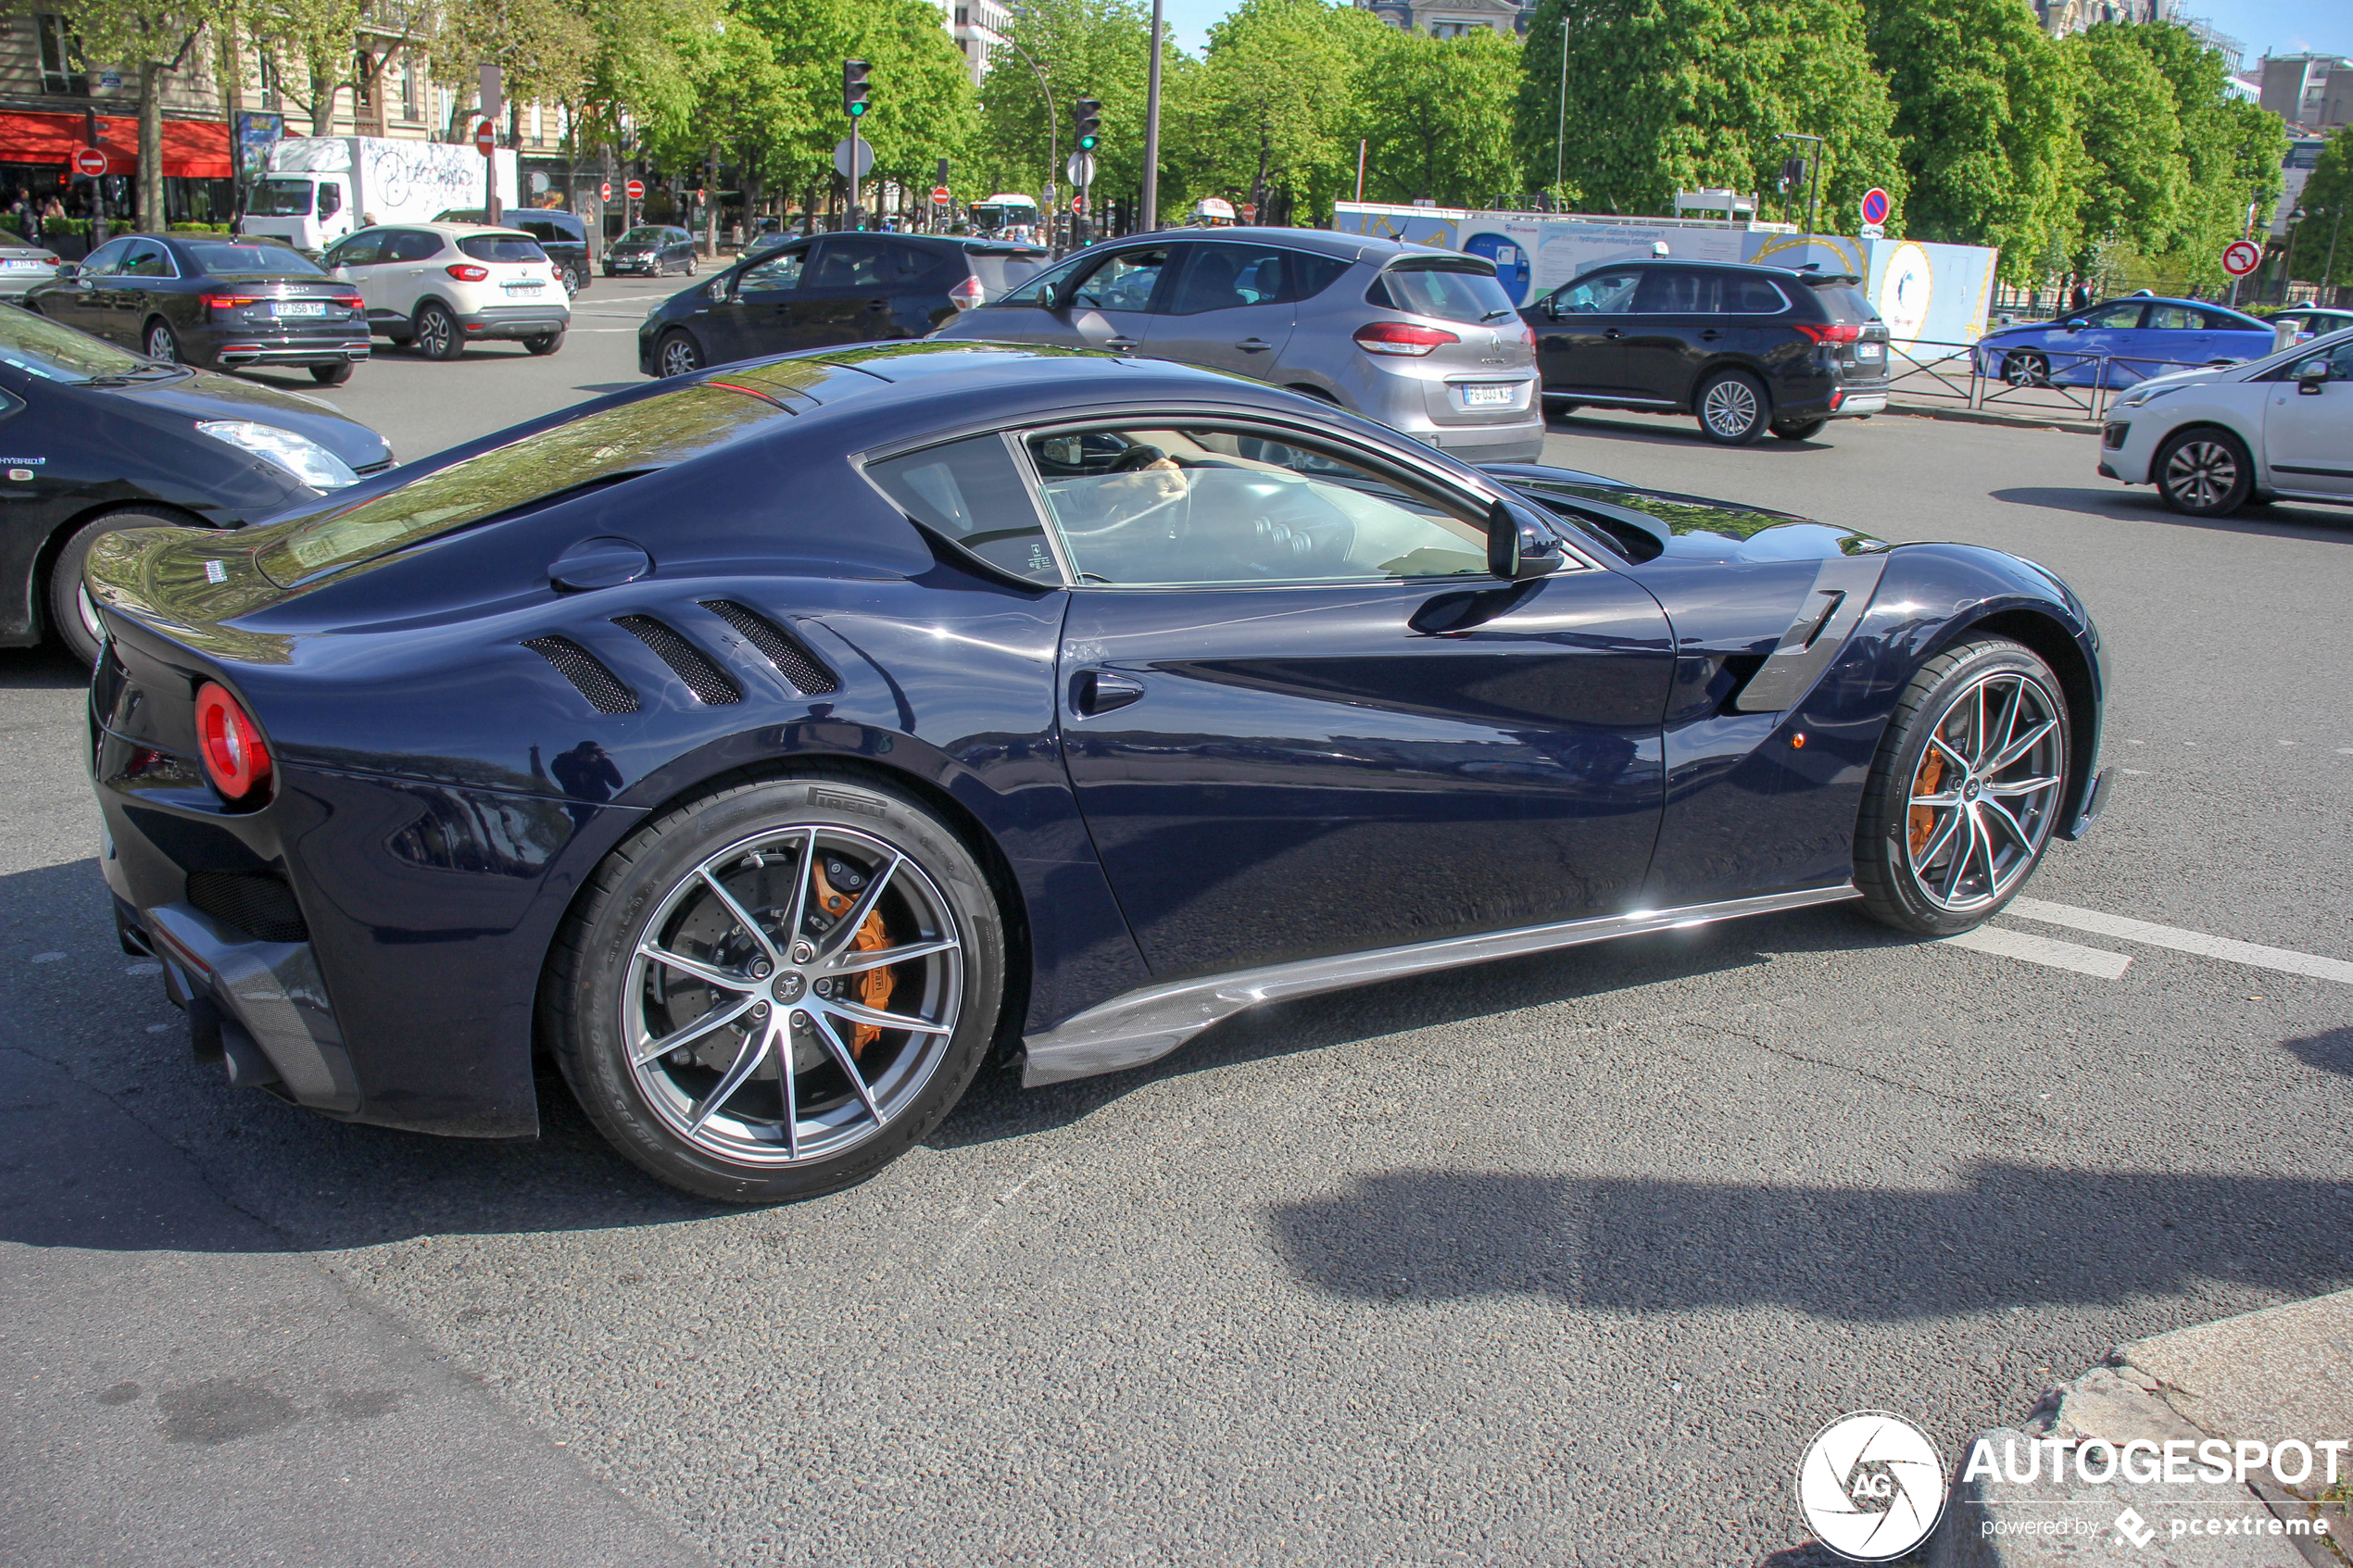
(443, 285)
(2276, 429)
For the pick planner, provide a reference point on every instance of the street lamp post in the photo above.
(1152, 130)
(2287, 254)
(1560, 111)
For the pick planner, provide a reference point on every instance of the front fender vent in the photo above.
(707, 681)
(599, 686)
(787, 652)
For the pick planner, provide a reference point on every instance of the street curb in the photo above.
(1981, 417)
(2285, 1372)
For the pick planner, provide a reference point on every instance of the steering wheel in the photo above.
(1137, 457)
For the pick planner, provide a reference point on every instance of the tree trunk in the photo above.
(151, 204)
(710, 204)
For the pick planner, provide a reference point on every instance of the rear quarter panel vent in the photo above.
(707, 681)
(791, 657)
(599, 686)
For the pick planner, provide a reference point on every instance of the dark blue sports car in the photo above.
(772, 745)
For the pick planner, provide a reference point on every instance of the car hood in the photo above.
(1684, 527)
(204, 396)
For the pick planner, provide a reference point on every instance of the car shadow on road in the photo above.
(2281, 521)
(2331, 1051)
(1661, 430)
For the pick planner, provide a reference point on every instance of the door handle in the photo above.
(1254, 345)
(1612, 333)
(1119, 343)
(1100, 691)
(1710, 336)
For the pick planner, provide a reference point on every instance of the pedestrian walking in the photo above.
(2081, 299)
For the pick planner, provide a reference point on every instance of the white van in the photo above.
(315, 190)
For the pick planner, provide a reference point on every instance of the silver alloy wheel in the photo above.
(433, 332)
(1730, 407)
(792, 995)
(2200, 475)
(161, 345)
(678, 357)
(2026, 369)
(1986, 793)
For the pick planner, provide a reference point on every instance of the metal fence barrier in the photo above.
(2050, 381)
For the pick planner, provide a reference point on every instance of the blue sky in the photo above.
(2282, 27)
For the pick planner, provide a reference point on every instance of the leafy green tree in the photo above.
(1275, 110)
(1084, 49)
(2231, 153)
(2134, 177)
(2328, 218)
(154, 39)
(1985, 107)
(1438, 119)
(1662, 96)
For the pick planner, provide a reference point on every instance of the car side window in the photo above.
(848, 264)
(778, 274)
(1202, 505)
(973, 492)
(411, 245)
(2124, 314)
(1748, 295)
(2174, 318)
(1677, 291)
(1226, 277)
(363, 249)
(105, 259)
(1123, 282)
(1603, 293)
(147, 259)
(1039, 290)
(2214, 322)
(1311, 274)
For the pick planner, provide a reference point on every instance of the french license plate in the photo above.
(298, 307)
(16, 264)
(524, 288)
(1866, 351)
(1488, 396)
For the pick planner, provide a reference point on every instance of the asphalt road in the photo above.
(1557, 1260)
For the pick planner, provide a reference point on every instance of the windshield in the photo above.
(279, 198)
(1039, 289)
(643, 236)
(41, 347)
(219, 256)
(650, 434)
(1845, 303)
(1448, 290)
(502, 248)
(999, 271)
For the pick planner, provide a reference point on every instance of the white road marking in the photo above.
(2184, 941)
(47, 958)
(2041, 949)
(145, 969)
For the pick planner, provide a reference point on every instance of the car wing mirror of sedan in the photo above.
(716, 291)
(2309, 375)
(69, 269)
(1518, 546)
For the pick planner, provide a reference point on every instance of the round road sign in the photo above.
(940, 195)
(1875, 206)
(604, 192)
(88, 161)
(636, 190)
(2242, 256)
(485, 138)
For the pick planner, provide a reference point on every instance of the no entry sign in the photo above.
(636, 190)
(604, 192)
(939, 196)
(1875, 206)
(485, 138)
(2242, 256)
(88, 161)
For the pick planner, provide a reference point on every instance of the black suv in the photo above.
(1746, 349)
(561, 235)
(825, 290)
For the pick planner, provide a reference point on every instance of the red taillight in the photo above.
(235, 759)
(1527, 334)
(467, 273)
(966, 294)
(1401, 337)
(229, 301)
(348, 301)
(1827, 332)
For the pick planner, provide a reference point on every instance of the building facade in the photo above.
(2311, 90)
(1451, 19)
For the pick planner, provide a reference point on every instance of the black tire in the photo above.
(1800, 429)
(68, 611)
(330, 375)
(157, 341)
(691, 264)
(437, 335)
(677, 352)
(2203, 471)
(586, 995)
(573, 282)
(1892, 836)
(1560, 408)
(1733, 407)
(546, 344)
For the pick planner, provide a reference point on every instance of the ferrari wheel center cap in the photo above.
(788, 985)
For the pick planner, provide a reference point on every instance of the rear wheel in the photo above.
(330, 375)
(774, 990)
(161, 342)
(71, 614)
(1733, 407)
(2203, 472)
(690, 266)
(436, 332)
(1965, 789)
(678, 354)
(1800, 429)
(546, 342)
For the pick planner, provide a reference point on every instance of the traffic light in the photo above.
(1793, 174)
(1089, 115)
(853, 88)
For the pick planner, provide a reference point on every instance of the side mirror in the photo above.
(1518, 546)
(69, 269)
(2073, 326)
(716, 291)
(2311, 374)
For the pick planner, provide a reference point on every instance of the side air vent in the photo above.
(599, 686)
(707, 681)
(787, 652)
(258, 903)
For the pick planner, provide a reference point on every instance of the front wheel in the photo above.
(437, 332)
(678, 354)
(1734, 408)
(1965, 789)
(72, 615)
(690, 266)
(2203, 472)
(774, 990)
(1800, 429)
(2026, 369)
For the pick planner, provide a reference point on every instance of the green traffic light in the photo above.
(857, 111)
(1087, 144)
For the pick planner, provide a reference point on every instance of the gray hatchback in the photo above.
(1426, 341)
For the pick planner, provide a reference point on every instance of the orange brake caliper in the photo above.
(876, 986)
(1923, 819)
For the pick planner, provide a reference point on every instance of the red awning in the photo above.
(192, 148)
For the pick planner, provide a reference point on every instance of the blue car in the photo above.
(776, 746)
(2134, 338)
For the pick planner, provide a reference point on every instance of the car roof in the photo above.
(459, 230)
